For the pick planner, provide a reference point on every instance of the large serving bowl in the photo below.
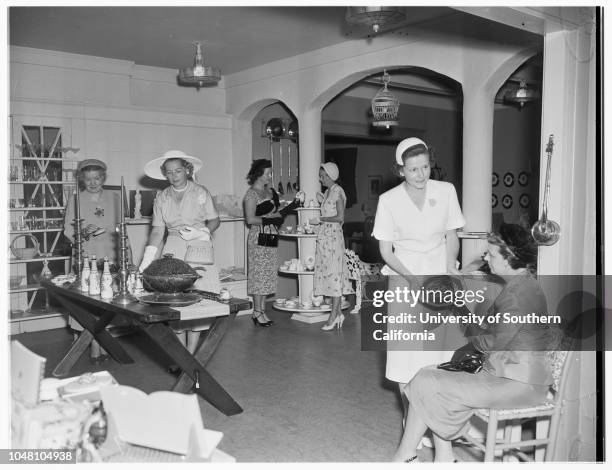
(169, 275)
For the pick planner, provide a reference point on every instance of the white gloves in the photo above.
(320, 197)
(192, 233)
(148, 257)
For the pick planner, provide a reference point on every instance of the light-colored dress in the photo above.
(263, 260)
(194, 208)
(419, 242)
(331, 275)
(103, 213)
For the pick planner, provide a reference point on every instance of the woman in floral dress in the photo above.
(331, 272)
(262, 260)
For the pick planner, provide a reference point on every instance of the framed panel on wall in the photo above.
(375, 183)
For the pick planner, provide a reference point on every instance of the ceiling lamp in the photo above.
(374, 16)
(521, 95)
(200, 74)
(385, 106)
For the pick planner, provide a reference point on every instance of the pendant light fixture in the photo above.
(376, 17)
(521, 95)
(199, 75)
(385, 106)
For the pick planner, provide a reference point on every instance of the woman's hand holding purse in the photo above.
(191, 233)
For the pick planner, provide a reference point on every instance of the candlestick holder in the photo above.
(123, 297)
(78, 239)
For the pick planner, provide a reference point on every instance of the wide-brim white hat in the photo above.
(153, 168)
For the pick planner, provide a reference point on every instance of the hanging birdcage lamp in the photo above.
(385, 106)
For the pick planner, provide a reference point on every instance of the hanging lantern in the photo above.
(200, 74)
(374, 16)
(385, 106)
(275, 128)
(521, 95)
(293, 131)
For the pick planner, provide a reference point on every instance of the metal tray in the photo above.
(180, 299)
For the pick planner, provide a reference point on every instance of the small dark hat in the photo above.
(520, 241)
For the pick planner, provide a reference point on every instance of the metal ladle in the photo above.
(546, 232)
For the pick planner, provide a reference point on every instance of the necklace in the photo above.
(179, 190)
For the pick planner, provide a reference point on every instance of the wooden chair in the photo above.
(547, 417)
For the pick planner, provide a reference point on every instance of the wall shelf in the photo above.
(38, 259)
(38, 175)
(288, 271)
(37, 208)
(42, 181)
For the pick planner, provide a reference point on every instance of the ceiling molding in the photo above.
(515, 17)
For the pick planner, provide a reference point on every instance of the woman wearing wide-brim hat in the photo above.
(187, 211)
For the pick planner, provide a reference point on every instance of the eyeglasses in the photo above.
(177, 171)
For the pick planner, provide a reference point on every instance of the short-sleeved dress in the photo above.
(193, 209)
(331, 276)
(262, 260)
(419, 242)
(103, 213)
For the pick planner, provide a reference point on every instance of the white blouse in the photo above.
(418, 235)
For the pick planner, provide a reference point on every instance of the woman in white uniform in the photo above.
(416, 225)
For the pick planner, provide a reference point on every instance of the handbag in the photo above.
(200, 252)
(267, 239)
(465, 359)
(267, 205)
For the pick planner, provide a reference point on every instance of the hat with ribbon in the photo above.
(153, 168)
(94, 162)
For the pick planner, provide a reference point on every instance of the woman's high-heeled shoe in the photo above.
(338, 321)
(256, 321)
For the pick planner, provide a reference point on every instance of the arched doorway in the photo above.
(430, 108)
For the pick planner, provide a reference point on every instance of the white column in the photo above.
(477, 168)
(309, 162)
(310, 152)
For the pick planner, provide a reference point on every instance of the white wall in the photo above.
(125, 115)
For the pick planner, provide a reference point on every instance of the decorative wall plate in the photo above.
(495, 179)
(523, 178)
(507, 201)
(508, 179)
(494, 201)
(524, 200)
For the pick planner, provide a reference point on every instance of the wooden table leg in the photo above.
(205, 350)
(96, 327)
(209, 389)
(72, 356)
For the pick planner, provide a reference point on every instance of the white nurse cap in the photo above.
(405, 145)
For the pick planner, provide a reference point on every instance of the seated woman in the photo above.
(515, 373)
